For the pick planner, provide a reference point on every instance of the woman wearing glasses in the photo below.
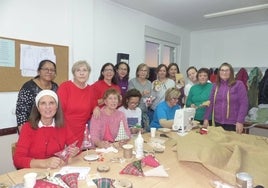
(106, 81)
(44, 80)
(43, 135)
(228, 101)
(165, 110)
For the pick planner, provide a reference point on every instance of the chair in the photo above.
(13, 148)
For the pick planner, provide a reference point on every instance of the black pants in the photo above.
(227, 127)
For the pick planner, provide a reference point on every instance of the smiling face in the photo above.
(122, 70)
(133, 102)
(162, 73)
(47, 72)
(108, 73)
(81, 74)
(47, 107)
(202, 77)
(112, 101)
(192, 75)
(225, 73)
(173, 71)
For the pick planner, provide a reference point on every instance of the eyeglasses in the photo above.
(108, 70)
(175, 99)
(224, 70)
(48, 70)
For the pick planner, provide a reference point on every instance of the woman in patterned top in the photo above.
(44, 80)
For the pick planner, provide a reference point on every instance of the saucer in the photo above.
(91, 157)
(164, 130)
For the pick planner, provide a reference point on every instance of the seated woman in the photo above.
(105, 130)
(131, 110)
(43, 136)
(165, 110)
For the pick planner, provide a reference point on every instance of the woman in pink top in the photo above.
(105, 130)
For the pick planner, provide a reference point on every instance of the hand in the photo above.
(239, 127)
(100, 102)
(205, 123)
(73, 151)
(96, 112)
(54, 162)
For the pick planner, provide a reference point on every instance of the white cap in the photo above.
(44, 93)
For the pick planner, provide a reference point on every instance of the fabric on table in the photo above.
(134, 168)
(71, 179)
(226, 153)
(156, 172)
(103, 182)
(149, 160)
(44, 183)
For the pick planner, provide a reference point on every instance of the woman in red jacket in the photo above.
(43, 136)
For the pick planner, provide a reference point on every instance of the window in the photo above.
(160, 47)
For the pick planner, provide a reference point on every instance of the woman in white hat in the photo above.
(43, 135)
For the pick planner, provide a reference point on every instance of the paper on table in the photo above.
(158, 172)
(83, 171)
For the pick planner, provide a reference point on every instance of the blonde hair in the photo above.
(172, 92)
(80, 63)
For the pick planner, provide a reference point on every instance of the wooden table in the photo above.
(5, 181)
(181, 174)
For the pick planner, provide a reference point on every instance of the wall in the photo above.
(94, 30)
(242, 47)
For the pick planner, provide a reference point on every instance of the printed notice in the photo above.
(7, 53)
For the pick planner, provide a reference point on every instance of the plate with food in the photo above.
(164, 130)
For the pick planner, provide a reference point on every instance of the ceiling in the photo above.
(189, 13)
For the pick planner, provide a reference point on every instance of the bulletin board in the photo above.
(11, 78)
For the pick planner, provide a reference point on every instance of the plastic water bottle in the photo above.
(139, 146)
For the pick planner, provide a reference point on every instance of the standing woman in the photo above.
(44, 80)
(198, 97)
(141, 83)
(161, 85)
(228, 101)
(106, 81)
(173, 72)
(122, 76)
(76, 99)
(191, 74)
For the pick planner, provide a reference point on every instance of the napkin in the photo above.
(45, 183)
(158, 172)
(133, 168)
(150, 161)
(107, 150)
(65, 154)
(104, 182)
(71, 179)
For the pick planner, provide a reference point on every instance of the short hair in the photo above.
(203, 70)
(111, 91)
(131, 93)
(139, 67)
(191, 67)
(78, 64)
(172, 92)
(35, 116)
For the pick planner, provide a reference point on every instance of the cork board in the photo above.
(11, 78)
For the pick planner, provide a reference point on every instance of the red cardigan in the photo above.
(38, 143)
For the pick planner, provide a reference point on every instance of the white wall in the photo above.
(241, 47)
(94, 30)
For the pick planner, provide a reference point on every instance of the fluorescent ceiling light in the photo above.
(236, 11)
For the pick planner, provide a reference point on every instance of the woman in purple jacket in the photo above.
(228, 101)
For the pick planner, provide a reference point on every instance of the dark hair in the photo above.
(101, 77)
(128, 69)
(171, 65)
(42, 63)
(35, 116)
(191, 67)
(231, 80)
(130, 93)
(161, 66)
(203, 70)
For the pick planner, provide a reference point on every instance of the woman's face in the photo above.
(122, 70)
(202, 78)
(162, 73)
(47, 107)
(47, 72)
(81, 74)
(173, 71)
(133, 102)
(143, 72)
(112, 101)
(108, 72)
(225, 73)
(192, 75)
(173, 101)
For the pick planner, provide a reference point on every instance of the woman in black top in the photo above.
(44, 80)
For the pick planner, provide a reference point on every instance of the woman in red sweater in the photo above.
(43, 136)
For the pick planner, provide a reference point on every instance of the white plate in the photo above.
(91, 157)
(165, 130)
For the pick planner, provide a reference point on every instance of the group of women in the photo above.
(114, 102)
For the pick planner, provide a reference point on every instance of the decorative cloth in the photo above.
(134, 168)
(149, 160)
(122, 135)
(104, 182)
